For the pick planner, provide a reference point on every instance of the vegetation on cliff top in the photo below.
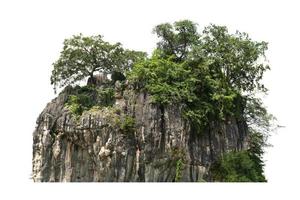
(214, 74)
(82, 57)
(84, 98)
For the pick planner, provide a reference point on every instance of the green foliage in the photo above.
(128, 125)
(95, 109)
(73, 105)
(88, 97)
(78, 103)
(234, 58)
(106, 96)
(256, 150)
(208, 73)
(260, 125)
(168, 82)
(214, 75)
(257, 117)
(82, 56)
(179, 168)
(237, 167)
(171, 82)
(176, 39)
(81, 99)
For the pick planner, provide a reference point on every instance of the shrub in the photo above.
(179, 168)
(237, 167)
(128, 125)
(106, 96)
(86, 97)
(78, 103)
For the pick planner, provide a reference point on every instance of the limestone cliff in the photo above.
(96, 147)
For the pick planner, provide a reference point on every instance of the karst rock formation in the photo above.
(95, 147)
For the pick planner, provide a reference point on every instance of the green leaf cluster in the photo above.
(209, 72)
(235, 58)
(237, 167)
(168, 82)
(82, 56)
(86, 97)
(179, 168)
(128, 125)
(106, 96)
(81, 99)
(177, 39)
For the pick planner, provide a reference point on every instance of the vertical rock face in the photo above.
(95, 147)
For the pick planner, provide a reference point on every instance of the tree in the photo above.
(82, 56)
(236, 59)
(176, 39)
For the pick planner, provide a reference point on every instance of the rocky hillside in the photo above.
(188, 112)
(132, 140)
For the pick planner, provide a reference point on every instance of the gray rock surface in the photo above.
(95, 148)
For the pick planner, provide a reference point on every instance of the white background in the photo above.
(31, 36)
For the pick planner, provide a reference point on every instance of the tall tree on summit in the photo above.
(177, 39)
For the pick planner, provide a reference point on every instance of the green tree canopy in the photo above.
(234, 58)
(82, 56)
(177, 39)
(209, 72)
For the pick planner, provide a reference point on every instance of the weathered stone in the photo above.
(94, 148)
